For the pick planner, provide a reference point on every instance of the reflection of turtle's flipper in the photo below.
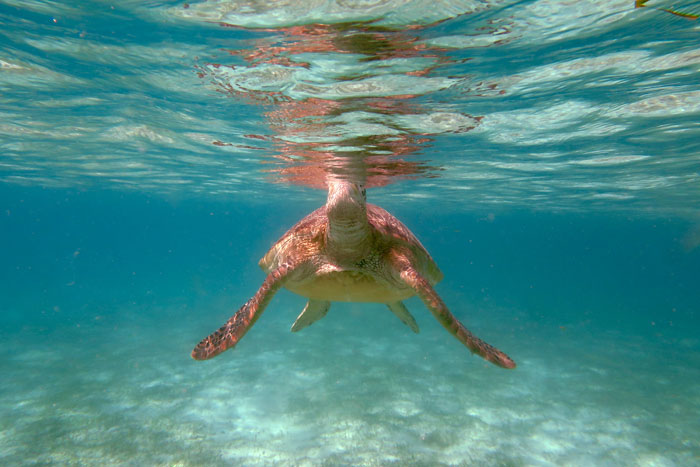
(400, 310)
(312, 312)
(230, 333)
(438, 308)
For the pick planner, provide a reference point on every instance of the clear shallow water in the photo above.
(544, 152)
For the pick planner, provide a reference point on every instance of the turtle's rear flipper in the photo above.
(400, 310)
(230, 333)
(312, 312)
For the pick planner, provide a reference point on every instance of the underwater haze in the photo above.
(545, 152)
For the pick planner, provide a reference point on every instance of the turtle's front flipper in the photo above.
(438, 308)
(312, 312)
(230, 333)
(400, 310)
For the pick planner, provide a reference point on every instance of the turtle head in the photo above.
(346, 202)
(346, 209)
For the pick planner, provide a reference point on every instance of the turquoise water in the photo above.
(545, 152)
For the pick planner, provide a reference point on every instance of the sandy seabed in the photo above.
(357, 388)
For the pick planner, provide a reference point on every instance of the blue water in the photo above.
(545, 152)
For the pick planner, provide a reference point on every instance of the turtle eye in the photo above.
(364, 193)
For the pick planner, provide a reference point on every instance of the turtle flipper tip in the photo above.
(205, 350)
(504, 361)
(489, 353)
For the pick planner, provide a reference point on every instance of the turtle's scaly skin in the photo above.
(348, 250)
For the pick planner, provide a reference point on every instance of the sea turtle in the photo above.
(351, 251)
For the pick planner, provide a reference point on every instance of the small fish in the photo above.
(682, 14)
